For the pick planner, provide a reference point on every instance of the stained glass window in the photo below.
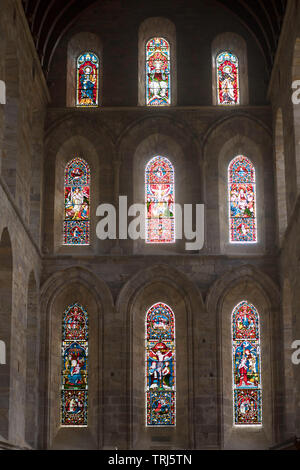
(242, 201)
(246, 365)
(77, 203)
(160, 201)
(158, 83)
(74, 377)
(87, 80)
(228, 79)
(160, 367)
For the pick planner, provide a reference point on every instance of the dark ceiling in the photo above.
(49, 20)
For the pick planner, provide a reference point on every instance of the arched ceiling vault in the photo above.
(49, 20)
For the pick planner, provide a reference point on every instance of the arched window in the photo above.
(87, 80)
(158, 86)
(160, 367)
(74, 377)
(160, 201)
(228, 86)
(246, 365)
(77, 203)
(242, 201)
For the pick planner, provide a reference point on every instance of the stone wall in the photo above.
(119, 280)
(21, 155)
(286, 160)
(119, 26)
(117, 142)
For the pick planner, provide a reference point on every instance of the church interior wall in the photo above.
(149, 28)
(16, 139)
(118, 281)
(118, 28)
(264, 295)
(280, 91)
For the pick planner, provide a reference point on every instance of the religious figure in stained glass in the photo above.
(160, 367)
(242, 201)
(87, 80)
(74, 377)
(246, 365)
(158, 90)
(228, 79)
(160, 201)
(77, 203)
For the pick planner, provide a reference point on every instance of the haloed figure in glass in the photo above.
(77, 203)
(160, 201)
(74, 366)
(160, 366)
(247, 400)
(87, 80)
(242, 201)
(158, 91)
(228, 79)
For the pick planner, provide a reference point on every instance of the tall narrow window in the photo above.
(160, 201)
(74, 378)
(242, 201)
(158, 85)
(160, 368)
(87, 80)
(228, 87)
(77, 203)
(246, 365)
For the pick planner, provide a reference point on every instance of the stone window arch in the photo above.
(160, 366)
(230, 49)
(77, 202)
(245, 288)
(145, 297)
(81, 149)
(235, 147)
(78, 290)
(246, 365)
(242, 200)
(79, 46)
(150, 31)
(74, 374)
(160, 201)
(168, 148)
(87, 80)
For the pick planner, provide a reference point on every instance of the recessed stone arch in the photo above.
(78, 44)
(160, 283)
(149, 28)
(251, 284)
(232, 137)
(235, 44)
(90, 291)
(160, 136)
(68, 139)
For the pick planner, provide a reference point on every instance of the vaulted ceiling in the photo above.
(49, 20)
